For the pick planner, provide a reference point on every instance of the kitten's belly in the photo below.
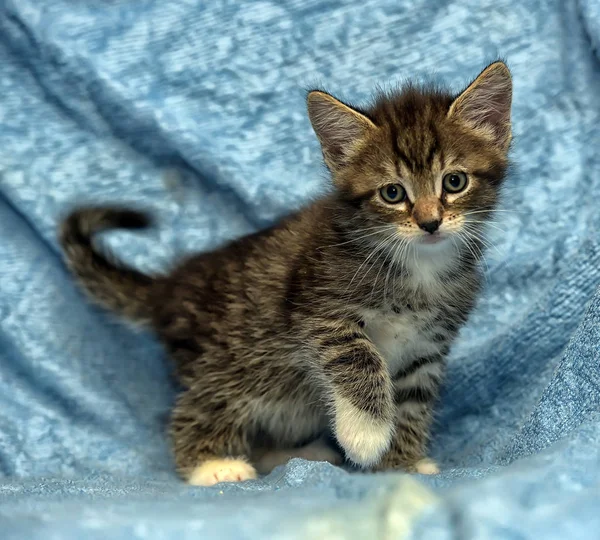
(402, 338)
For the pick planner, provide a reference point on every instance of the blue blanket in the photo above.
(196, 109)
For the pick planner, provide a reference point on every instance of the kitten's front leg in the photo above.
(415, 393)
(360, 390)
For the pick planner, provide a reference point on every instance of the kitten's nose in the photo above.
(428, 213)
(430, 226)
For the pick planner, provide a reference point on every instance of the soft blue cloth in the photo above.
(196, 109)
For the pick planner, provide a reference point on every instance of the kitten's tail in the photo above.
(107, 281)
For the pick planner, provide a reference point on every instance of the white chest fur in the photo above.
(401, 338)
(404, 337)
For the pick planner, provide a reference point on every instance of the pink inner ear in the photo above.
(487, 102)
(337, 125)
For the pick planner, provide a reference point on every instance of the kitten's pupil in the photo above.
(392, 192)
(454, 181)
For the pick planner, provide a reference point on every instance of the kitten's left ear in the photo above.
(486, 103)
(340, 128)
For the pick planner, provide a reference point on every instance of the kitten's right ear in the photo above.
(340, 128)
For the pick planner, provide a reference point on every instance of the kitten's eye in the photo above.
(454, 182)
(393, 193)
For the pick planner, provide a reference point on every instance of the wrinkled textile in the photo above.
(196, 111)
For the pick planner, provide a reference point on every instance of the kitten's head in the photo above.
(422, 164)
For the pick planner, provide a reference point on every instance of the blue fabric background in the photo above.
(196, 109)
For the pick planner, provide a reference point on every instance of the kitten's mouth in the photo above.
(434, 238)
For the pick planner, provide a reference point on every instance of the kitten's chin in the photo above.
(434, 246)
(433, 241)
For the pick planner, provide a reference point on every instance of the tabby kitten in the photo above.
(337, 319)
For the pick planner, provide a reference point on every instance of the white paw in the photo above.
(221, 470)
(363, 439)
(427, 466)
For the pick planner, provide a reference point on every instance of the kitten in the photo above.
(337, 319)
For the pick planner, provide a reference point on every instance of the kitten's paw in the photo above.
(362, 437)
(426, 466)
(221, 470)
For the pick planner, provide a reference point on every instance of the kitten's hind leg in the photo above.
(266, 460)
(210, 443)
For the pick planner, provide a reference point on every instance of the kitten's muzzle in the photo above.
(427, 213)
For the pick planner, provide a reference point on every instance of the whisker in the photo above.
(384, 248)
(392, 268)
(470, 241)
(415, 257)
(386, 254)
(467, 238)
(374, 231)
(494, 211)
(375, 250)
(491, 224)
(483, 239)
(474, 237)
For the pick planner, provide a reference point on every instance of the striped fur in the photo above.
(338, 319)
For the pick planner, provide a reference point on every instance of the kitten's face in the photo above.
(420, 166)
(432, 180)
